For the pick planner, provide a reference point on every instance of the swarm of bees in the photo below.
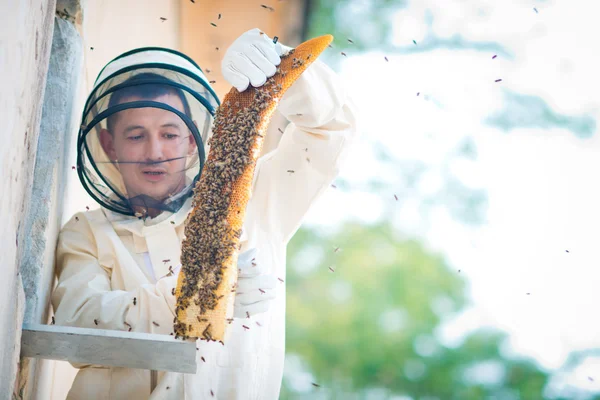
(213, 228)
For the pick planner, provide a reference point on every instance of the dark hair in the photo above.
(159, 86)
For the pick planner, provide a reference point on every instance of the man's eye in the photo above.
(135, 138)
(170, 135)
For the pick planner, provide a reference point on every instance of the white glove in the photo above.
(255, 290)
(251, 59)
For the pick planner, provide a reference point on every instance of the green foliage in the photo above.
(372, 322)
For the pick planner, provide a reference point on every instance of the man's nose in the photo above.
(155, 150)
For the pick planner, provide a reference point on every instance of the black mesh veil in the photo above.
(140, 147)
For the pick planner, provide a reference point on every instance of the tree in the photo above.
(372, 322)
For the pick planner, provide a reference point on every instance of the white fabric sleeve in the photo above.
(84, 298)
(313, 147)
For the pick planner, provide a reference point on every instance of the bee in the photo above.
(336, 249)
(96, 321)
(172, 222)
(291, 171)
(418, 93)
(134, 301)
(87, 208)
(202, 358)
(230, 320)
(308, 159)
(168, 387)
(258, 323)
(212, 82)
(350, 41)
(245, 327)
(77, 219)
(173, 291)
(219, 16)
(281, 280)
(386, 59)
(166, 261)
(155, 323)
(498, 80)
(53, 321)
(127, 325)
(331, 269)
(213, 24)
(344, 54)
(396, 197)
(211, 393)
(91, 48)
(223, 343)
(72, 167)
(216, 48)
(261, 291)
(316, 384)
(247, 314)
(163, 19)
(207, 71)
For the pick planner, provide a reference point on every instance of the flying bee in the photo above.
(155, 323)
(245, 327)
(134, 301)
(96, 321)
(163, 19)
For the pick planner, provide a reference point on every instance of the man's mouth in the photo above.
(154, 174)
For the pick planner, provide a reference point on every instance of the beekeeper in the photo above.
(140, 150)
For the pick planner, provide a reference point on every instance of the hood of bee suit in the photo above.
(141, 143)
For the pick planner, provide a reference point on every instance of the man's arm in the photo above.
(84, 297)
(314, 145)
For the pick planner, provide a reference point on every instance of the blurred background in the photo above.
(457, 255)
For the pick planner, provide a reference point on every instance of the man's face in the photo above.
(151, 147)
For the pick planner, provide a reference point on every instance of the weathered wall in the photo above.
(25, 37)
(59, 119)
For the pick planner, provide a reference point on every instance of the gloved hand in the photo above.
(251, 59)
(255, 290)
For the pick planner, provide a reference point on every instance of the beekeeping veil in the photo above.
(140, 147)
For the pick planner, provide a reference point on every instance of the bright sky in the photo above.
(540, 177)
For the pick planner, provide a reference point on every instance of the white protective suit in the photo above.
(101, 268)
